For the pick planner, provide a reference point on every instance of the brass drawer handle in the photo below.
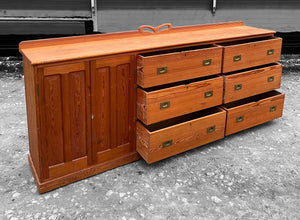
(207, 62)
(237, 58)
(270, 52)
(164, 105)
(239, 119)
(162, 70)
(167, 143)
(208, 94)
(270, 78)
(210, 129)
(238, 87)
(273, 108)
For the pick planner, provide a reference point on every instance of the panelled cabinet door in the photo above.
(113, 93)
(64, 94)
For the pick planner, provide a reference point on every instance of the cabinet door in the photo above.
(113, 93)
(64, 97)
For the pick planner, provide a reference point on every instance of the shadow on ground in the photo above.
(254, 174)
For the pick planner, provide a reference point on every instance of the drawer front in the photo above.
(252, 54)
(168, 103)
(167, 68)
(250, 83)
(254, 113)
(166, 142)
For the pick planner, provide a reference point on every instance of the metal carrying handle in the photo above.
(154, 29)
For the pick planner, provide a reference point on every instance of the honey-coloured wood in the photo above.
(250, 53)
(54, 183)
(174, 136)
(86, 47)
(82, 101)
(113, 107)
(159, 105)
(253, 111)
(65, 118)
(33, 120)
(171, 66)
(252, 82)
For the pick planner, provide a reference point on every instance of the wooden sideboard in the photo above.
(100, 101)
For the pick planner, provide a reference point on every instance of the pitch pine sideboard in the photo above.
(101, 101)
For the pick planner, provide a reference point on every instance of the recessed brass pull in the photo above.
(237, 58)
(206, 62)
(273, 108)
(239, 119)
(210, 129)
(270, 52)
(167, 143)
(162, 70)
(209, 94)
(164, 105)
(270, 78)
(238, 87)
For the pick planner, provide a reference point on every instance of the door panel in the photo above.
(53, 120)
(65, 116)
(113, 108)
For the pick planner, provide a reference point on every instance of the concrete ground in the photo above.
(254, 174)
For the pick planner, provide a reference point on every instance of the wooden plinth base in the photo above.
(79, 175)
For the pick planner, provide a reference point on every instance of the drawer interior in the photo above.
(250, 69)
(178, 50)
(183, 118)
(179, 83)
(252, 40)
(256, 98)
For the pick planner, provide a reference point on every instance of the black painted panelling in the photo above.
(146, 4)
(44, 5)
(203, 4)
(258, 4)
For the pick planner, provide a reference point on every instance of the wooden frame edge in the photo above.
(82, 174)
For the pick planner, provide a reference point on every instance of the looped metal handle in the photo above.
(154, 29)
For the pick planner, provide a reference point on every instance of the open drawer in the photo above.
(249, 53)
(252, 82)
(169, 66)
(161, 104)
(167, 138)
(252, 111)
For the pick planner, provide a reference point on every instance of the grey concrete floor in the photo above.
(254, 174)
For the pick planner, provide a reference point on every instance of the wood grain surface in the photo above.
(251, 54)
(63, 49)
(254, 112)
(113, 107)
(252, 82)
(184, 136)
(64, 110)
(183, 99)
(182, 65)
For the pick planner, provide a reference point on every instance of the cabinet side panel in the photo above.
(53, 119)
(32, 115)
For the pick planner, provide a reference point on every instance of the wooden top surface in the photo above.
(80, 47)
